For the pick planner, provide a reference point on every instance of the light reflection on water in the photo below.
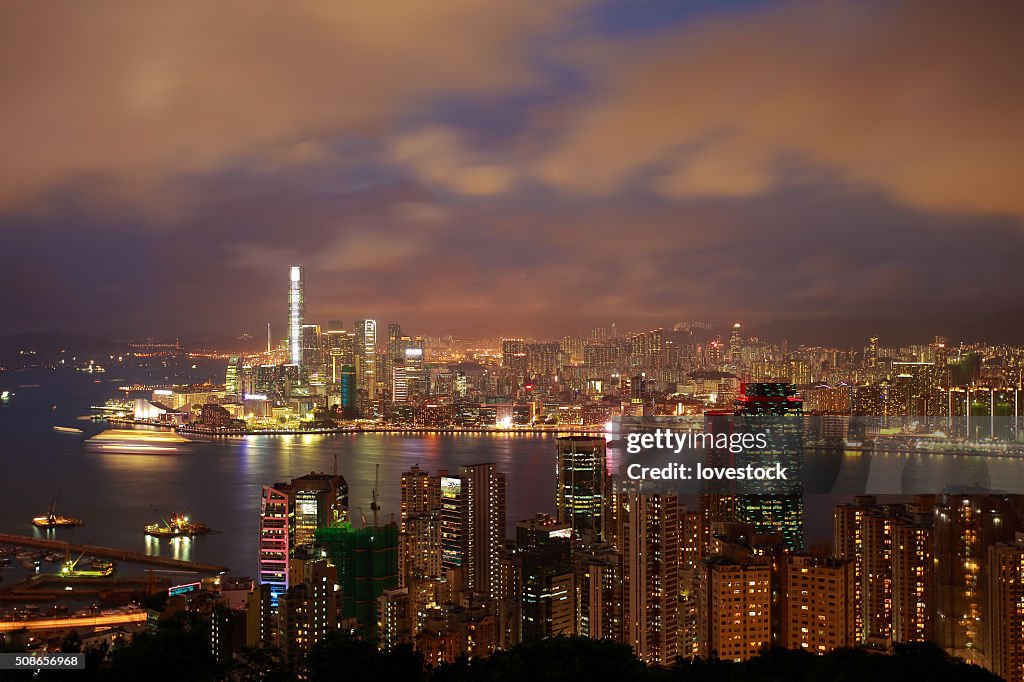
(218, 482)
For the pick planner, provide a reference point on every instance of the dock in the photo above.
(110, 553)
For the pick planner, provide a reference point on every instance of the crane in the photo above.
(373, 504)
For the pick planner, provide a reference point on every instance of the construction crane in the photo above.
(373, 504)
(51, 516)
(159, 516)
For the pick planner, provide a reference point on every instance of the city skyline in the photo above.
(570, 163)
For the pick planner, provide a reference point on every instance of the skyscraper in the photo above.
(473, 525)
(1006, 609)
(773, 507)
(366, 356)
(274, 543)
(581, 480)
(421, 493)
(735, 344)
(650, 544)
(484, 515)
(290, 514)
(296, 313)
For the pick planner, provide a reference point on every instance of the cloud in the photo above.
(920, 100)
(133, 95)
(440, 157)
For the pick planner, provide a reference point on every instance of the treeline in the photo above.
(180, 651)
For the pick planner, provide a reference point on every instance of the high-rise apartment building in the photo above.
(1005, 641)
(650, 543)
(819, 604)
(734, 608)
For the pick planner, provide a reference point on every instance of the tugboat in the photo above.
(52, 520)
(180, 525)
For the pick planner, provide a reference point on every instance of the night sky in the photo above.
(481, 167)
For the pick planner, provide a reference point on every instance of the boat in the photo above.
(180, 525)
(52, 520)
(97, 569)
(66, 429)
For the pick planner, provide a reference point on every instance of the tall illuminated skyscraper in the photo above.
(473, 525)
(296, 313)
(366, 356)
(735, 344)
(581, 481)
(650, 543)
(777, 506)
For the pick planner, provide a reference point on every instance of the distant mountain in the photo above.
(1006, 326)
(52, 342)
(227, 344)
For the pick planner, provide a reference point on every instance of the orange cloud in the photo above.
(129, 95)
(921, 100)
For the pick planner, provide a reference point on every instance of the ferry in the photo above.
(179, 526)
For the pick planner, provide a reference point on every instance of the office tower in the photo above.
(316, 501)
(734, 608)
(349, 403)
(290, 514)
(312, 348)
(335, 326)
(416, 376)
(399, 383)
(296, 313)
(231, 376)
(736, 344)
(548, 596)
(581, 478)
(367, 563)
(366, 356)
(308, 610)
(393, 352)
(1005, 643)
(420, 493)
(772, 506)
(274, 541)
(819, 604)
(650, 544)
(912, 564)
(513, 357)
(452, 522)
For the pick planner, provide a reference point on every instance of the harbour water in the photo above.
(219, 481)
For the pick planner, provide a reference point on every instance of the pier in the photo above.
(110, 553)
